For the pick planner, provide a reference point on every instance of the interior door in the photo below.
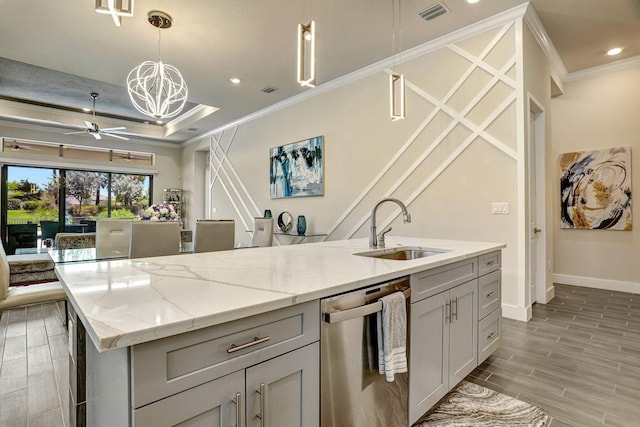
(533, 203)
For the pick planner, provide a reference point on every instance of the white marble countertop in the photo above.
(127, 302)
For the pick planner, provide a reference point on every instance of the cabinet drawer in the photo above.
(430, 282)
(489, 333)
(170, 365)
(489, 262)
(489, 293)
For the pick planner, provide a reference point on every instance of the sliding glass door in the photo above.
(37, 203)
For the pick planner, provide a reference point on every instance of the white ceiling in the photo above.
(211, 41)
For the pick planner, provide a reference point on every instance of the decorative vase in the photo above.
(302, 225)
(267, 213)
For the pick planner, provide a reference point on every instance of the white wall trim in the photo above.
(604, 69)
(469, 31)
(75, 164)
(594, 282)
(540, 34)
(516, 313)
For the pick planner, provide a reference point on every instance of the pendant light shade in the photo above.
(396, 96)
(307, 54)
(157, 89)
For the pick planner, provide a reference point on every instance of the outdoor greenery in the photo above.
(86, 197)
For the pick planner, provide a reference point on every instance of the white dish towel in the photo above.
(392, 336)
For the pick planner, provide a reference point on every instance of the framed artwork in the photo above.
(297, 169)
(595, 189)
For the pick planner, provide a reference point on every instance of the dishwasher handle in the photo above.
(361, 311)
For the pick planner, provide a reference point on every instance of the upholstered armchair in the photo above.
(27, 279)
(154, 238)
(262, 232)
(214, 235)
(75, 240)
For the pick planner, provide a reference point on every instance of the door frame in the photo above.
(537, 180)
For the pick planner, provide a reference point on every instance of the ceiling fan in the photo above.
(93, 128)
(128, 157)
(16, 147)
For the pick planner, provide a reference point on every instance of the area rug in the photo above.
(472, 405)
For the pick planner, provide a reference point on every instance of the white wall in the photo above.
(167, 158)
(595, 113)
(468, 144)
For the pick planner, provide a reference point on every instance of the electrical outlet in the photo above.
(499, 208)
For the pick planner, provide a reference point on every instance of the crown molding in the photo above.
(540, 34)
(455, 36)
(604, 69)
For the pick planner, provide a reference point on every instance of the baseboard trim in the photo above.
(551, 293)
(593, 282)
(516, 313)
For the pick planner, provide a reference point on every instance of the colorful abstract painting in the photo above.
(297, 169)
(595, 189)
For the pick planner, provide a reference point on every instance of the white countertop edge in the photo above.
(105, 341)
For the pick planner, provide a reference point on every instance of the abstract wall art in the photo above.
(297, 169)
(595, 189)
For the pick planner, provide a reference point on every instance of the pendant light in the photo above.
(157, 89)
(397, 105)
(307, 54)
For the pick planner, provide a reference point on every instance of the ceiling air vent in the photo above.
(268, 89)
(192, 129)
(433, 12)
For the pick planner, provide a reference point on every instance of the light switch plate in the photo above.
(500, 208)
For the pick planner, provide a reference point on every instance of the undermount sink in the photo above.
(403, 253)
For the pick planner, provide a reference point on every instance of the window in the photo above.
(65, 200)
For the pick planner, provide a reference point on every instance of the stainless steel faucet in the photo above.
(375, 240)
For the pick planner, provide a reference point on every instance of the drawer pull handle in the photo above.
(255, 341)
(491, 335)
(263, 405)
(238, 402)
(492, 262)
(491, 294)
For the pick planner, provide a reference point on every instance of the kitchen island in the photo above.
(126, 312)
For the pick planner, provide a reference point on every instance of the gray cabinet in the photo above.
(213, 404)
(443, 345)
(285, 391)
(489, 304)
(429, 354)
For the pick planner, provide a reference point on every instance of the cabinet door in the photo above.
(463, 354)
(211, 404)
(285, 391)
(429, 354)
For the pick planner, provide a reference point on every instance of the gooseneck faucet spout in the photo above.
(376, 241)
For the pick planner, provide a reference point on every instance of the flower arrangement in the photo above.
(160, 212)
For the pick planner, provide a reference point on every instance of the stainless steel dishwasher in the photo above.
(353, 393)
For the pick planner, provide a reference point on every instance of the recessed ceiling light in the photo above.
(86, 110)
(614, 51)
(472, 1)
(159, 122)
(235, 80)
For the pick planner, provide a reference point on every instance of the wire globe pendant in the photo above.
(157, 89)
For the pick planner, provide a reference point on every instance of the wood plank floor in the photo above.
(34, 366)
(578, 358)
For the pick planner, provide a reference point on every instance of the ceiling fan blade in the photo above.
(71, 133)
(96, 135)
(89, 124)
(113, 135)
(112, 129)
